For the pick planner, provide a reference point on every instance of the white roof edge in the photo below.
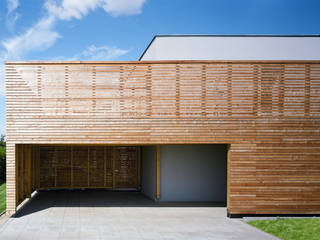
(224, 35)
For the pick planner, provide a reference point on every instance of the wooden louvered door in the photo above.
(126, 168)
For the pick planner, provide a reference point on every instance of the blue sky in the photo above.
(121, 29)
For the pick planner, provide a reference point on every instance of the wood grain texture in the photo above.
(268, 111)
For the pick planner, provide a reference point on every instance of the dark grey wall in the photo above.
(148, 171)
(193, 173)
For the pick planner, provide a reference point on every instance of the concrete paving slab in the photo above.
(95, 214)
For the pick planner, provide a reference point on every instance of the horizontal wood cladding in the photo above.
(269, 111)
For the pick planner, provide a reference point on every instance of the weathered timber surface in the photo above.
(268, 111)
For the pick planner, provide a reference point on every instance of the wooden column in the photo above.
(30, 171)
(16, 152)
(71, 163)
(158, 172)
(114, 169)
(228, 175)
(26, 179)
(55, 167)
(32, 168)
(138, 165)
(104, 166)
(38, 166)
(88, 166)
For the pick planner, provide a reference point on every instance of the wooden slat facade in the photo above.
(267, 111)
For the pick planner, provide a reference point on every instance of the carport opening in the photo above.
(144, 175)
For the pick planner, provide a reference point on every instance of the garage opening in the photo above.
(166, 173)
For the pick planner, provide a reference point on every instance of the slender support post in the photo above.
(71, 167)
(38, 166)
(138, 164)
(88, 166)
(29, 172)
(228, 175)
(104, 165)
(55, 167)
(158, 171)
(114, 169)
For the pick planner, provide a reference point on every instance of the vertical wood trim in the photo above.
(88, 166)
(32, 168)
(94, 84)
(307, 91)
(66, 88)
(25, 171)
(149, 92)
(21, 173)
(104, 166)
(158, 171)
(71, 163)
(29, 172)
(114, 169)
(281, 90)
(178, 90)
(121, 89)
(229, 89)
(38, 166)
(27, 175)
(204, 90)
(139, 165)
(255, 90)
(39, 73)
(17, 165)
(55, 167)
(228, 174)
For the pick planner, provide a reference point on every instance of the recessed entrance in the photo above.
(166, 173)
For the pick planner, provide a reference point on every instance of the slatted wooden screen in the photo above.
(56, 166)
(269, 111)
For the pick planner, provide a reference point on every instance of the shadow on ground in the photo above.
(97, 198)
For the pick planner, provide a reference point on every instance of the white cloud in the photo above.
(123, 7)
(93, 53)
(12, 16)
(38, 37)
(68, 9)
(12, 5)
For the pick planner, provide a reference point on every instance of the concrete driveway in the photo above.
(94, 214)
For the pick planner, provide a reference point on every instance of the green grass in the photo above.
(2, 197)
(290, 229)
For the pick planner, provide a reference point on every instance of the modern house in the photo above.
(232, 119)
